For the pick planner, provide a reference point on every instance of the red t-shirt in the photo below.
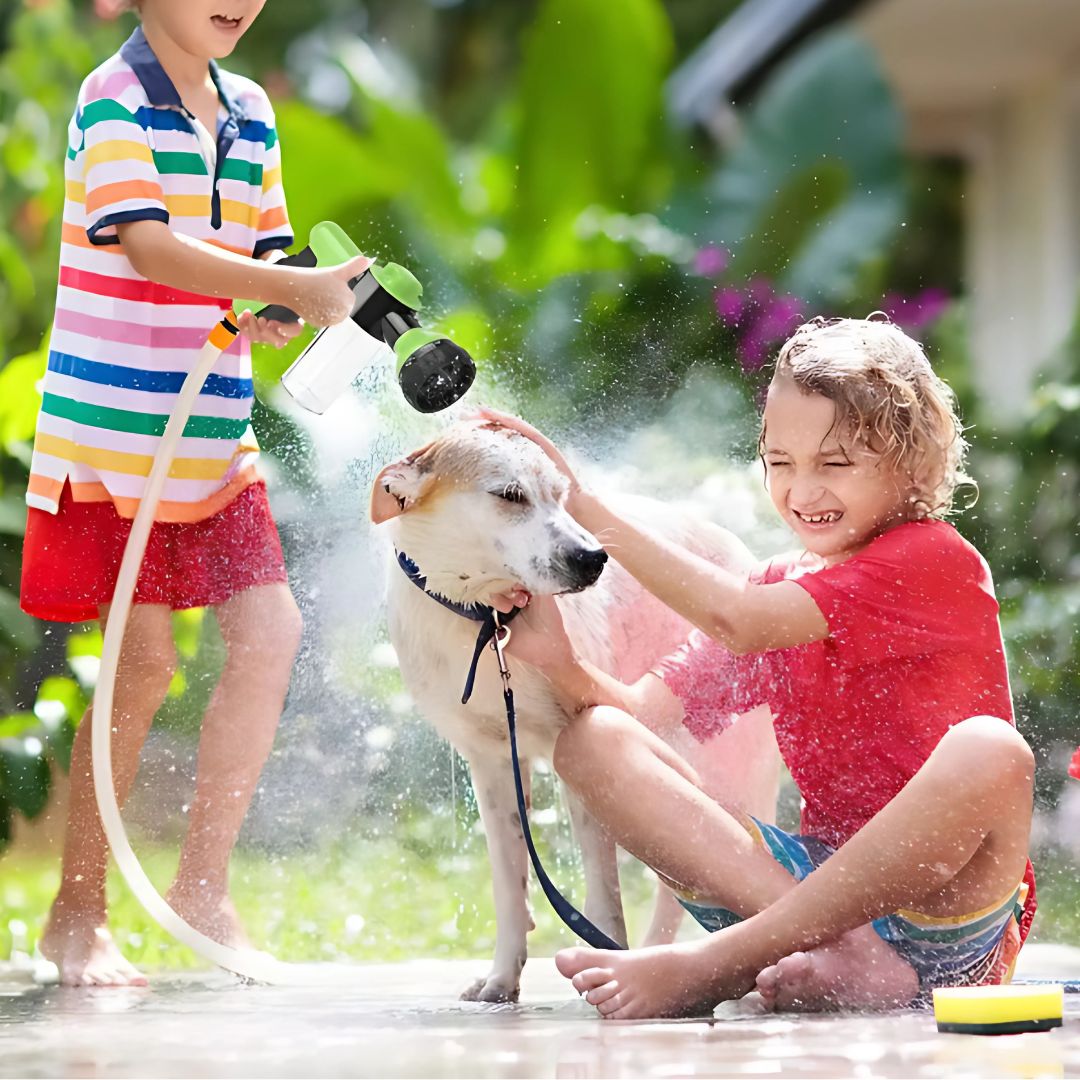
(914, 647)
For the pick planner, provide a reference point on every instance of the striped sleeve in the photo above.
(274, 230)
(120, 176)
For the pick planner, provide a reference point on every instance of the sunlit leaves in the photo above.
(589, 111)
(19, 397)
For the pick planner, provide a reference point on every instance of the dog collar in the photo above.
(479, 613)
(475, 612)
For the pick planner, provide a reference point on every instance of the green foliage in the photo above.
(24, 773)
(61, 702)
(200, 655)
(31, 743)
(19, 399)
(1025, 520)
(814, 187)
(527, 189)
(16, 627)
(48, 53)
(1059, 902)
(588, 135)
(34, 743)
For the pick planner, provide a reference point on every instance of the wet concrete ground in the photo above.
(402, 1020)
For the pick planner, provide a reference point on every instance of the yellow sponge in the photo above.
(998, 1010)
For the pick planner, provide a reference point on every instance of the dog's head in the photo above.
(480, 511)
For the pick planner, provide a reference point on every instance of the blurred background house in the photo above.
(989, 84)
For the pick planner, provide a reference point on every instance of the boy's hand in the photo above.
(109, 9)
(321, 296)
(538, 636)
(267, 331)
(522, 427)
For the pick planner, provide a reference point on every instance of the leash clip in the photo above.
(500, 639)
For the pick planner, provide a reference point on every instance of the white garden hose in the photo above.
(250, 963)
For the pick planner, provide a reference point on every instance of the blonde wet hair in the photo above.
(888, 398)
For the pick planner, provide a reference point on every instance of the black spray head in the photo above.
(435, 375)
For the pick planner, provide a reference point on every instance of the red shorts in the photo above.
(71, 559)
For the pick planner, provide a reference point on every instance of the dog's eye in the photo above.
(511, 493)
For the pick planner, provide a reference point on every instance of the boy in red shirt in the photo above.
(879, 652)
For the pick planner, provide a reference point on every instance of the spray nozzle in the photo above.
(433, 371)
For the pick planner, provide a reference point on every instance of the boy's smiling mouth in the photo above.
(224, 22)
(824, 518)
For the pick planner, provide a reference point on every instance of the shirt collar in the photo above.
(160, 91)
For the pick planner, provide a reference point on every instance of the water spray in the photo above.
(433, 373)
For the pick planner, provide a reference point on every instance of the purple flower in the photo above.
(730, 305)
(711, 261)
(782, 316)
(918, 311)
(759, 292)
(778, 318)
(763, 317)
(752, 349)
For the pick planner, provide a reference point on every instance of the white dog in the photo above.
(480, 511)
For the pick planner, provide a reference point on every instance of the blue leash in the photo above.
(586, 930)
(495, 632)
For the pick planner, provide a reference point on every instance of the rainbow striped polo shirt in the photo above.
(121, 344)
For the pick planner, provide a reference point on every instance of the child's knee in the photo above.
(268, 634)
(289, 627)
(989, 749)
(148, 655)
(593, 735)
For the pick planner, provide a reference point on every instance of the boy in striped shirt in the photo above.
(174, 205)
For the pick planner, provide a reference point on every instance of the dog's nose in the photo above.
(586, 564)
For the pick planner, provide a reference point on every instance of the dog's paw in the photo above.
(493, 988)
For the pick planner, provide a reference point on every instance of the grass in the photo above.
(410, 892)
(417, 889)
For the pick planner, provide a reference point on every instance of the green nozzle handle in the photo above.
(400, 283)
(328, 245)
(332, 244)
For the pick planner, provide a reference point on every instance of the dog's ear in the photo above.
(398, 486)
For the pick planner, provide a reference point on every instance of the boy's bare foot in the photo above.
(210, 912)
(858, 971)
(662, 981)
(84, 952)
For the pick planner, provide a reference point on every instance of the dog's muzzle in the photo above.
(581, 567)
